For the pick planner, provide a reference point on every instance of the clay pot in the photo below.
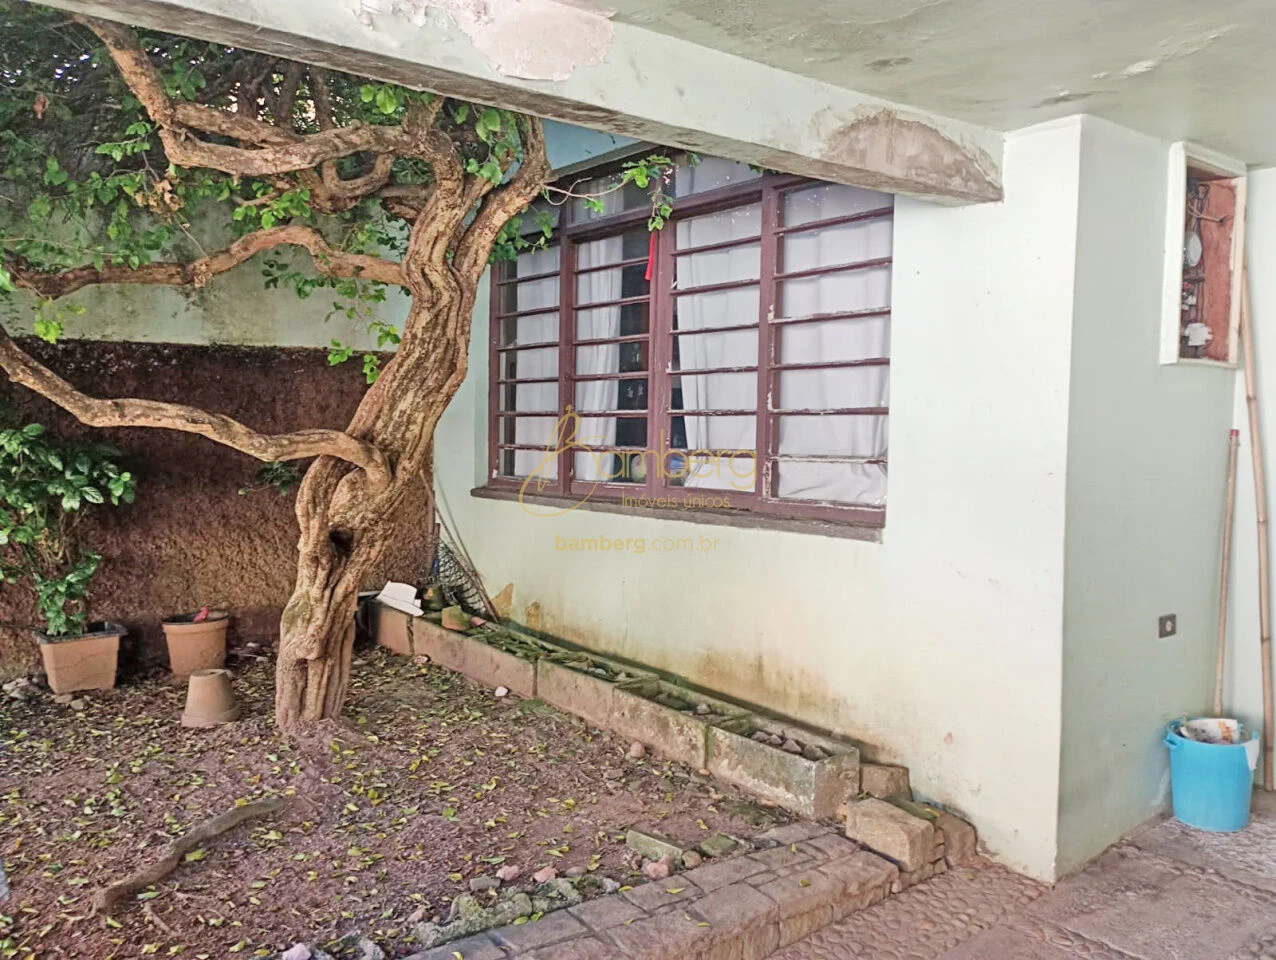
(196, 646)
(85, 661)
(209, 700)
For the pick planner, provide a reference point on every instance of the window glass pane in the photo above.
(719, 266)
(716, 391)
(729, 433)
(854, 338)
(522, 331)
(629, 393)
(609, 466)
(527, 364)
(599, 286)
(606, 322)
(718, 309)
(846, 436)
(862, 484)
(709, 174)
(520, 464)
(537, 432)
(531, 294)
(832, 389)
(529, 397)
(843, 243)
(828, 200)
(730, 348)
(542, 213)
(731, 470)
(735, 223)
(867, 289)
(613, 200)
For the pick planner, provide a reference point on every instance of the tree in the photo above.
(113, 140)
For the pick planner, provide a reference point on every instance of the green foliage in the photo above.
(283, 476)
(46, 485)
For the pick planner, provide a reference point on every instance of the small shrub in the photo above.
(46, 486)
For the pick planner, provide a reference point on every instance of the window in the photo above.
(738, 356)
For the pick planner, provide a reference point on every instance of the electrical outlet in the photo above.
(1167, 625)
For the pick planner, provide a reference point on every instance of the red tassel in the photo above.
(651, 257)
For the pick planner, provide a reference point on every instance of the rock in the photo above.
(702, 709)
(575, 873)
(761, 736)
(509, 873)
(79, 704)
(895, 834)
(610, 885)
(468, 917)
(637, 751)
(719, 845)
(775, 740)
(298, 951)
(484, 884)
(562, 891)
(612, 774)
(691, 859)
(652, 846)
(791, 746)
(545, 875)
(884, 780)
(355, 946)
(65, 698)
(454, 618)
(659, 869)
(502, 691)
(959, 838)
(416, 916)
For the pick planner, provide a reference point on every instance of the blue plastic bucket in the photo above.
(1211, 782)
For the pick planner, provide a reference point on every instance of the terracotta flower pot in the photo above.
(85, 661)
(209, 700)
(196, 646)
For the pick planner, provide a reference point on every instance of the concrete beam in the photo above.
(563, 60)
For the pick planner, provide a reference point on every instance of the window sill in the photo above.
(720, 518)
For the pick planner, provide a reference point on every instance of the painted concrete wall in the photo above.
(939, 645)
(1243, 691)
(1146, 450)
(235, 309)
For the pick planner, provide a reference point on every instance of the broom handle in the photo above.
(1228, 518)
(1260, 504)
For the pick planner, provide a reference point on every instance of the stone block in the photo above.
(392, 629)
(719, 845)
(910, 878)
(805, 901)
(587, 696)
(889, 831)
(744, 922)
(828, 847)
(662, 893)
(551, 928)
(813, 788)
(670, 935)
(604, 913)
(960, 839)
(652, 846)
(712, 876)
(778, 857)
(480, 947)
(477, 660)
(883, 780)
(583, 948)
(865, 878)
(794, 832)
(639, 714)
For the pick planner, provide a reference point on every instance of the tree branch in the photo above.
(25, 370)
(328, 261)
(506, 201)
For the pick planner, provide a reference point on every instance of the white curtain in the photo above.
(536, 363)
(598, 286)
(859, 437)
(722, 348)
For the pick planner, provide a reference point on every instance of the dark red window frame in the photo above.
(767, 190)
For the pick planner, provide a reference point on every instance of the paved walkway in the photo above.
(1166, 893)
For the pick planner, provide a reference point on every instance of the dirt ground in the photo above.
(428, 782)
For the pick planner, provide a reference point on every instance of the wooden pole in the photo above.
(1228, 516)
(1264, 549)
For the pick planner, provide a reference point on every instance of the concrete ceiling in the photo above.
(1202, 70)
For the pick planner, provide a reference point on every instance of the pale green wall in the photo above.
(1146, 469)
(939, 645)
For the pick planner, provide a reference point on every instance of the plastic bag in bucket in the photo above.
(1211, 772)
